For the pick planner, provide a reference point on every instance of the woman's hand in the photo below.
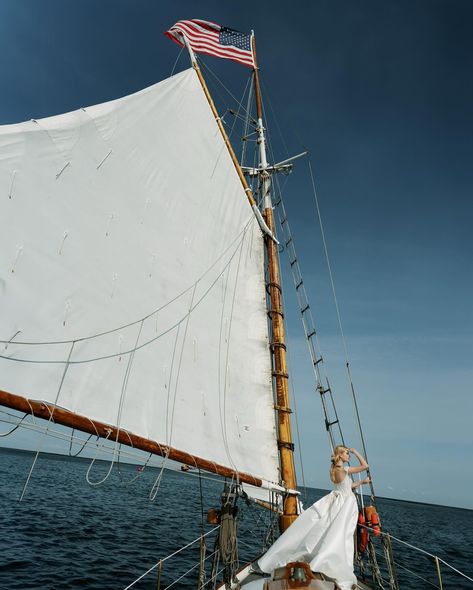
(363, 464)
(361, 482)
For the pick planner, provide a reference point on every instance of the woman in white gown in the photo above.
(323, 534)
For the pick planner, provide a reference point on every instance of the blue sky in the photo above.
(381, 94)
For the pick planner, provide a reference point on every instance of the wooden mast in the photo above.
(278, 344)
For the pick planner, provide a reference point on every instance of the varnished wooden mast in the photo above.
(278, 345)
(65, 417)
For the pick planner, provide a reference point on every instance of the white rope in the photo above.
(87, 478)
(157, 482)
(41, 442)
(119, 416)
(235, 243)
(148, 342)
(176, 383)
(134, 455)
(227, 337)
(67, 437)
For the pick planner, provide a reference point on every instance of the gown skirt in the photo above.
(323, 536)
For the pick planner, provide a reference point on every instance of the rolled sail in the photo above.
(131, 273)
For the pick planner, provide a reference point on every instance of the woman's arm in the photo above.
(357, 484)
(363, 464)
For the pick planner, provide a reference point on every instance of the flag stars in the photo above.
(235, 38)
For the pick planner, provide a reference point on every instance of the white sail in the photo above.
(132, 287)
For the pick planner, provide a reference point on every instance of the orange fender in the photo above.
(362, 533)
(375, 524)
(372, 520)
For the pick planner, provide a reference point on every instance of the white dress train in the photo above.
(322, 536)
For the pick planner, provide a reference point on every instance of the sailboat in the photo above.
(141, 291)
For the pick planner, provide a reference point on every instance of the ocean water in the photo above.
(66, 534)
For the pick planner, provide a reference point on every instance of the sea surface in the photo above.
(67, 534)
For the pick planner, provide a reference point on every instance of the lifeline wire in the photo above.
(169, 557)
(420, 551)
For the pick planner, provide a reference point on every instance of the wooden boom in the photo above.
(58, 415)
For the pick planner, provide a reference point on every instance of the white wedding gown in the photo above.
(322, 536)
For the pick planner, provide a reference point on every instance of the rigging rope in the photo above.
(247, 126)
(136, 348)
(289, 359)
(332, 283)
(82, 447)
(234, 243)
(119, 417)
(310, 331)
(307, 319)
(226, 364)
(337, 308)
(41, 442)
(291, 386)
(17, 425)
(208, 69)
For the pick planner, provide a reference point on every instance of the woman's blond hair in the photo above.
(334, 459)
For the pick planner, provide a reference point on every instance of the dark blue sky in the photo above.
(381, 93)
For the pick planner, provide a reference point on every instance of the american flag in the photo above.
(210, 38)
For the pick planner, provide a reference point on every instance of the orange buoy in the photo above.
(375, 524)
(362, 533)
(372, 520)
(368, 512)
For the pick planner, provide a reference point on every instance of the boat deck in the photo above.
(247, 579)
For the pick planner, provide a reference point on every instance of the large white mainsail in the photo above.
(132, 277)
